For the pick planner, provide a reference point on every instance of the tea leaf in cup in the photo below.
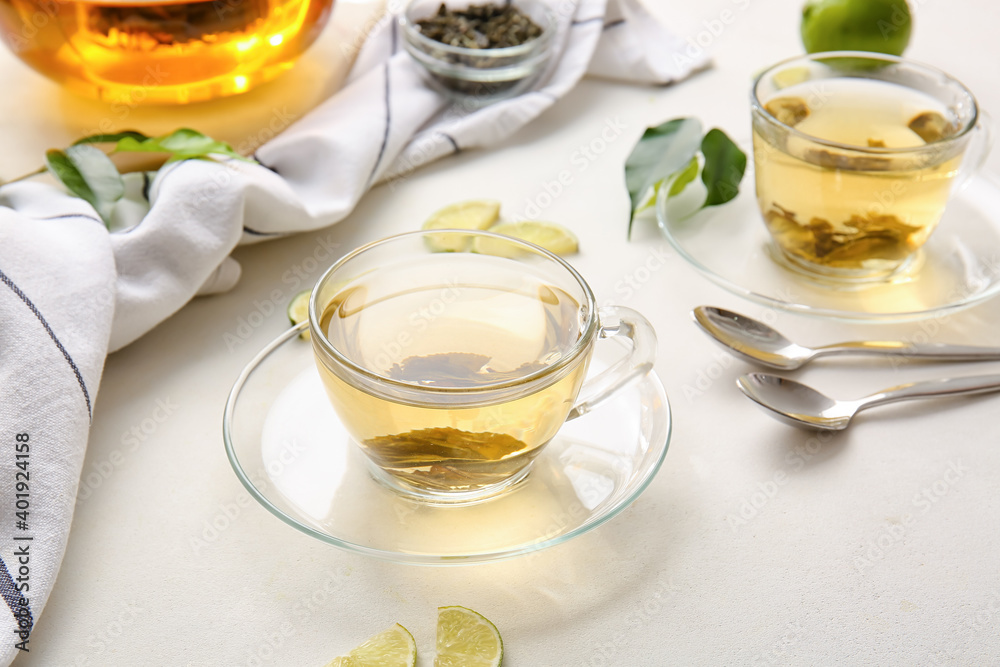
(789, 110)
(89, 174)
(932, 126)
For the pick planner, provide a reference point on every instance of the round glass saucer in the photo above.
(292, 454)
(958, 267)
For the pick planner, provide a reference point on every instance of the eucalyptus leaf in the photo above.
(724, 167)
(89, 174)
(660, 152)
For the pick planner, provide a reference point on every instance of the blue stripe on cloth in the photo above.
(18, 604)
(451, 140)
(254, 232)
(388, 123)
(55, 339)
(63, 216)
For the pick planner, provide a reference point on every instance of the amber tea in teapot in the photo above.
(156, 51)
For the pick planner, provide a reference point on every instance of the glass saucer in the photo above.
(958, 267)
(292, 454)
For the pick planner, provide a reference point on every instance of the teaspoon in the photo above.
(800, 405)
(758, 343)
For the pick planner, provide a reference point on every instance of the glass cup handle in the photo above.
(618, 321)
(980, 144)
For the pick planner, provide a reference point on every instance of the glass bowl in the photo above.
(477, 77)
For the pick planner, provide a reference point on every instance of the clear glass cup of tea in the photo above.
(855, 157)
(452, 370)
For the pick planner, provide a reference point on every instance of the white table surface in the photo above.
(841, 563)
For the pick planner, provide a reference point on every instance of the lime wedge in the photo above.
(298, 310)
(548, 235)
(462, 215)
(789, 77)
(465, 638)
(393, 648)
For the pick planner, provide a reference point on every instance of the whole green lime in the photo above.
(882, 26)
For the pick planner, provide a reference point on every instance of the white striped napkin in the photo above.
(70, 291)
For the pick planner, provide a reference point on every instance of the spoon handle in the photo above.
(929, 351)
(972, 384)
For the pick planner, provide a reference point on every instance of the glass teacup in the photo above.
(452, 370)
(856, 155)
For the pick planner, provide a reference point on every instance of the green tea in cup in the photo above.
(452, 370)
(855, 157)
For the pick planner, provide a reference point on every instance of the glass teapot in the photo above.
(161, 51)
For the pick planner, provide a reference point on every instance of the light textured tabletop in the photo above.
(755, 544)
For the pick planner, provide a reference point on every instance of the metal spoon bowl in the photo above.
(800, 405)
(758, 343)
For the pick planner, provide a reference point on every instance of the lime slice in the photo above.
(393, 648)
(466, 638)
(344, 661)
(298, 310)
(463, 215)
(790, 77)
(548, 235)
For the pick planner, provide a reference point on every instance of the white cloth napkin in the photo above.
(70, 292)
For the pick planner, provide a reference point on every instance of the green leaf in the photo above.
(111, 138)
(659, 153)
(724, 166)
(89, 174)
(182, 144)
(684, 178)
